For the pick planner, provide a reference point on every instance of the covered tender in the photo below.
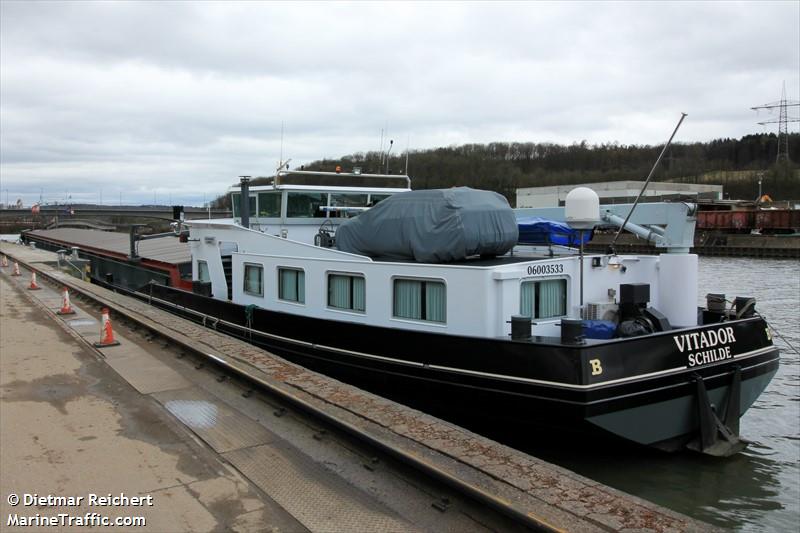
(432, 226)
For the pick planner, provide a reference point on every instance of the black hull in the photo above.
(645, 393)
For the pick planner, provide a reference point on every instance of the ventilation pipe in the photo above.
(244, 199)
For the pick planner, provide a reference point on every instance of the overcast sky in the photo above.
(171, 101)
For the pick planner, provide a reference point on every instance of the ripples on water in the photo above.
(759, 489)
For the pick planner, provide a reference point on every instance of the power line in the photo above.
(783, 122)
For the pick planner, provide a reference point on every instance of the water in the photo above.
(759, 489)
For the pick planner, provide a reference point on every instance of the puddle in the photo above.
(196, 414)
(81, 322)
(57, 390)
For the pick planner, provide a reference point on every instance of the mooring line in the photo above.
(778, 333)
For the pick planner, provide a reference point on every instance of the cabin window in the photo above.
(348, 200)
(292, 285)
(254, 279)
(269, 204)
(202, 271)
(346, 292)
(305, 205)
(420, 300)
(236, 202)
(543, 299)
(342, 204)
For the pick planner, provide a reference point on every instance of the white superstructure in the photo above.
(479, 298)
(278, 264)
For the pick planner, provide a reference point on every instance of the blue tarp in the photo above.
(599, 329)
(535, 230)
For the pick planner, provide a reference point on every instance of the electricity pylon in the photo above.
(783, 122)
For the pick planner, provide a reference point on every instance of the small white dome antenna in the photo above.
(582, 208)
(582, 212)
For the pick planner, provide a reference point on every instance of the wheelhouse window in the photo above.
(254, 279)
(292, 285)
(543, 299)
(348, 200)
(420, 300)
(375, 198)
(347, 205)
(236, 203)
(269, 204)
(306, 205)
(347, 291)
(202, 271)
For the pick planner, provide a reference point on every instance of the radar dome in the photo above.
(582, 208)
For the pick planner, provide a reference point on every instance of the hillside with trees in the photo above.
(505, 167)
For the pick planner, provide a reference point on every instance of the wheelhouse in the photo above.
(295, 203)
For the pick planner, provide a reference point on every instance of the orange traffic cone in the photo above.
(106, 332)
(66, 308)
(33, 286)
(16, 269)
(5, 262)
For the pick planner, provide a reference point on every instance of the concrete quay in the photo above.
(305, 486)
(70, 426)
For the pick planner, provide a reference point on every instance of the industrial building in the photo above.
(617, 192)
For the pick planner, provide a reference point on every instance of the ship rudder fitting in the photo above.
(716, 437)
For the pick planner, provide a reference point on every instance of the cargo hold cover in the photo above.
(432, 226)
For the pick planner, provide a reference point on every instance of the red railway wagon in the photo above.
(784, 220)
(745, 220)
(734, 221)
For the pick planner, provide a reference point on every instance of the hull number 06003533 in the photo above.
(543, 270)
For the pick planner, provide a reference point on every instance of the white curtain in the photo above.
(301, 286)
(435, 301)
(408, 298)
(359, 294)
(288, 284)
(253, 279)
(527, 298)
(339, 291)
(552, 298)
(292, 285)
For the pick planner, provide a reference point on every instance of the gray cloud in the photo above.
(179, 98)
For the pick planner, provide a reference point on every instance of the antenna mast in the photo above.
(783, 122)
(646, 182)
(380, 148)
(408, 142)
(280, 159)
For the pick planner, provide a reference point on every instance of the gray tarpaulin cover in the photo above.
(432, 226)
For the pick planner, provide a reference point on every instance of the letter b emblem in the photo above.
(596, 368)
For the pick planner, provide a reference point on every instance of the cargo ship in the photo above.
(429, 297)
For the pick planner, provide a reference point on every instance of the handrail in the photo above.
(78, 269)
(283, 173)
